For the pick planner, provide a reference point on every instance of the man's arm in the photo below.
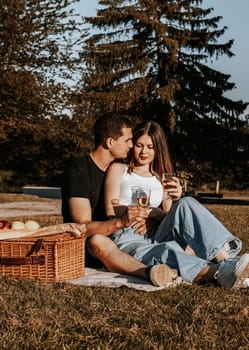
(82, 214)
(80, 209)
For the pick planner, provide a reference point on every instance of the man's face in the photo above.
(121, 146)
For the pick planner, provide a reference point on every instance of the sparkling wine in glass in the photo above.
(143, 197)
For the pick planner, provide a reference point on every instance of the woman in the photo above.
(148, 161)
(189, 238)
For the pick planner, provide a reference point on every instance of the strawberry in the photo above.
(4, 224)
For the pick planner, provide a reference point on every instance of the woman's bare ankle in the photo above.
(221, 256)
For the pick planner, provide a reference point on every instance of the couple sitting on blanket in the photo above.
(171, 237)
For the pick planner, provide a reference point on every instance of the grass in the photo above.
(35, 315)
(44, 220)
(16, 197)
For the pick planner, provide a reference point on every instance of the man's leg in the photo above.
(118, 261)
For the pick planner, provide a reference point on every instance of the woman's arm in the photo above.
(112, 185)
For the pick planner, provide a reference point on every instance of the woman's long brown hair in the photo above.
(162, 162)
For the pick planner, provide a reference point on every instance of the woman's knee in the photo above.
(188, 200)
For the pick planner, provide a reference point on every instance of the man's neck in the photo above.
(101, 158)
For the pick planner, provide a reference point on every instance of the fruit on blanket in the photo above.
(18, 225)
(32, 225)
(4, 224)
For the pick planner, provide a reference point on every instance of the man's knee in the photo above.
(100, 245)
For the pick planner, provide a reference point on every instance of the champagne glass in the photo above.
(143, 197)
(134, 194)
(166, 177)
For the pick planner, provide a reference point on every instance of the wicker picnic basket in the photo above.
(54, 258)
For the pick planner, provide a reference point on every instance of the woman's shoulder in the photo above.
(118, 166)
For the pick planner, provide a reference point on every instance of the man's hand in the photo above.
(137, 217)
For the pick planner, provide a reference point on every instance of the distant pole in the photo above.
(217, 187)
(185, 186)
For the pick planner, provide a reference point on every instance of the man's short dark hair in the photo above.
(109, 125)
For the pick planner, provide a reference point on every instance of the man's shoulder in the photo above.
(80, 163)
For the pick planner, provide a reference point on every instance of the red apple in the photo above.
(4, 224)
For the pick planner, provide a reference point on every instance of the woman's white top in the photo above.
(140, 182)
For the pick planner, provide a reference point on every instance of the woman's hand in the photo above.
(174, 189)
(148, 220)
(137, 217)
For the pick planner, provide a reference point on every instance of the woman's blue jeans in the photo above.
(187, 223)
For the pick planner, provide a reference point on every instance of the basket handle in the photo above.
(39, 244)
(28, 260)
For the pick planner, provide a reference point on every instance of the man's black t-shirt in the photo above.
(84, 179)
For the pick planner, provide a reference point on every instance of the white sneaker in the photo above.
(233, 272)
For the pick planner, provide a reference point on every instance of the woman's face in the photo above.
(144, 152)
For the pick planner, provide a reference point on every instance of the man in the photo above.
(83, 201)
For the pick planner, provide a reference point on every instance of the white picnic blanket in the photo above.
(104, 278)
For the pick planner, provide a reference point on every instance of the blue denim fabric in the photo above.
(187, 223)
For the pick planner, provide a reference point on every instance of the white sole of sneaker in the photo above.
(240, 281)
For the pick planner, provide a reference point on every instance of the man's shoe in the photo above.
(160, 275)
(233, 272)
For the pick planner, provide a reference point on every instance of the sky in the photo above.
(235, 15)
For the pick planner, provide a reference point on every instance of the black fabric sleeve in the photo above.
(78, 182)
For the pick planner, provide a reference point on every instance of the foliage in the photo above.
(151, 59)
(39, 42)
(36, 315)
(38, 52)
(45, 151)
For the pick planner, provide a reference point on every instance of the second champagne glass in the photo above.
(143, 197)
(166, 177)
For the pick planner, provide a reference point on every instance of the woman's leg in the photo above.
(191, 268)
(190, 223)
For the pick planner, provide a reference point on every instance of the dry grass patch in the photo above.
(17, 197)
(60, 316)
(49, 316)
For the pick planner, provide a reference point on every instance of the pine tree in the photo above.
(38, 55)
(152, 59)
